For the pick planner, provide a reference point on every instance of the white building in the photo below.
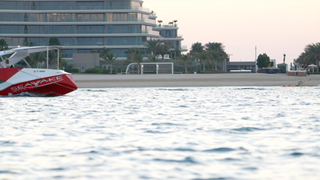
(83, 25)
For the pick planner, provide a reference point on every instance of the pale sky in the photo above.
(276, 27)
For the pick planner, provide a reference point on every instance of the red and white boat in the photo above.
(44, 82)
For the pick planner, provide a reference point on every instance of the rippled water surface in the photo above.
(162, 133)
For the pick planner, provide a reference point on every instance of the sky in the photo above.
(275, 27)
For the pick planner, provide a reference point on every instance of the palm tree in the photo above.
(3, 45)
(313, 53)
(35, 58)
(54, 41)
(152, 58)
(63, 64)
(163, 50)
(102, 52)
(214, 56)
(110, 58)
(214, 45)
(301, 58)
(216, 51)
(203, 57)
(107, 55)
(196, 48)
(185, 58)
(95, 51)
(152, 46)
(177, 52)
(136, 56)
(53, 55)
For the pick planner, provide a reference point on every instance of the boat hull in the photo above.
(36, 81)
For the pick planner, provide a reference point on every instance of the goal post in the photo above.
(151, 68)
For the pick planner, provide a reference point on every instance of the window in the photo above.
(90, 5)
(68, 53)
(90, 41)
(90, 29)
(90, 17)
(84, 51)
(136, 4)
(132, 16)
(120, 52)
(118, 5)
(126, 40)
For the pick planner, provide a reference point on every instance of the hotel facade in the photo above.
(82, 25)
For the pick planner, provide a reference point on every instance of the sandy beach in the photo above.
(192, 80)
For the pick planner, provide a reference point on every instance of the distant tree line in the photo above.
(154, 49)
(212, 52)
(209, 55)
(311, 55)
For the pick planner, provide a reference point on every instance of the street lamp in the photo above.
(142, 66)
(171, 50)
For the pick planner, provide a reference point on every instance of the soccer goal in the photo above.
(151, 68)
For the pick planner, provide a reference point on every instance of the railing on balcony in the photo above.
(74, 8)
(167, 26)
(77, 44)
(75, 32)
(184, 47)
(78, 20)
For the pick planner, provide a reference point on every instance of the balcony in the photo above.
(74, 8)
(82, 32)
(153, 16)
(61, 20)
(167, 26)
(184, 48)
(78, 44)
(178, 38)
(160, 27)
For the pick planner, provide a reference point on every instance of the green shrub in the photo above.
(105, 71)
(314, 72)
(91, 70)
(72, 70)
(98, 70)
(210, 72)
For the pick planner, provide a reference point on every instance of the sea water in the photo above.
(216, 133)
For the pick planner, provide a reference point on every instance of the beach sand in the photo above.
(192, 80)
